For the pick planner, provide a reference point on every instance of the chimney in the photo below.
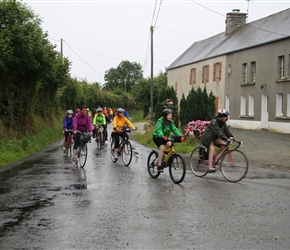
(234, 20)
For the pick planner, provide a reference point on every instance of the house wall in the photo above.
(179, 78)
(267, 84)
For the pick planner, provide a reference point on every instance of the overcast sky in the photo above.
(98, 35)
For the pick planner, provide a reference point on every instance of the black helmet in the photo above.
(165, 112)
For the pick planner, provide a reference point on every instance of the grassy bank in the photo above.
(16, 147)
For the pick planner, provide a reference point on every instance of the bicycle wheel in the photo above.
(112, 151)
(177, 168)
(152, 163)
(234, 165)
(127, 152)
(197, 165)
(83, 154)
(68, 146)
(98, 139)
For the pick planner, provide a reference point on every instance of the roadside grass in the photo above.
(183, 148)
(15, 149)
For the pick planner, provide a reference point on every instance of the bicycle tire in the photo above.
(234, 166)
(152, 163)
(127, 152)
(98, 139)
(177, 168)
(197, 165)
(112, 151)
(83, 154)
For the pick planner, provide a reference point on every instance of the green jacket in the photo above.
(213, 131)
(99, 120)
(168, 127)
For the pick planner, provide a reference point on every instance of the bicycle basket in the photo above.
(85, 138)
(126, 129)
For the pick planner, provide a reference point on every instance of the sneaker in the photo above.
(64, 150)
(211, 170)
(160, 169)
(115, 157)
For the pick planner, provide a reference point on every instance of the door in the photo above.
(264, 112)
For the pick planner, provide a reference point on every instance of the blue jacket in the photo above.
(68, 123)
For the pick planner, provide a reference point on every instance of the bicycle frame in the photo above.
(226, 150)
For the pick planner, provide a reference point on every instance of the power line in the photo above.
(83, 59)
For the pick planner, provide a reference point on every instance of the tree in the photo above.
(31, 71)
(124, 77)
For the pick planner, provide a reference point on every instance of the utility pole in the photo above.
(151, 89)
(61, 47)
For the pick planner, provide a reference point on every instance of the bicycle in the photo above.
(82, 150)
(69, 142)
(232, 162)
(100, 140)
(125, 148)
(175, 162)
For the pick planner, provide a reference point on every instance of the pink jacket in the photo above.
(82, 122)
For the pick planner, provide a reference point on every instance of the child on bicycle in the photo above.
(164, 126)
(216, 134)
(68, 121)
(119, 122)
(99, 121)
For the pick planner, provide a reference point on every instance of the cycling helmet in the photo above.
(120, 110)
(69, 112)
(99, 109)
(165, 112)
(223, 113)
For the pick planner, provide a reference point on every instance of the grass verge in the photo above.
(15, 149)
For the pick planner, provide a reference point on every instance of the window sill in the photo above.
(248, 83)
(283, 80)
(247, 116)
(282, 117)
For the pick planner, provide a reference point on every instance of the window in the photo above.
(192, 79)
(279, 104)
(288, 104)
(217, 71)
(228, 100)
(281, 67)
(253, 72)
(175, 87)
(245, 73)
(251, 105)
(205, 74)
(243, 105)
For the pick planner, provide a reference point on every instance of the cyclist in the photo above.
(216, 133)
(68, 121)
(82, 123)
(164, 126)
(99, 121)
(119, 122)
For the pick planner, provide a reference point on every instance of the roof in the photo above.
(266, 30)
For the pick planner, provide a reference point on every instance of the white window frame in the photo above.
(243, 105)
(279, 104)
(228, 101)
(251, 105)
(288, 104)
(281, 67)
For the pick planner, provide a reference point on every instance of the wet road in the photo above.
(49, 203)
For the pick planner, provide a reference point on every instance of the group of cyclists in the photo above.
(85, 121)
(216, 133)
